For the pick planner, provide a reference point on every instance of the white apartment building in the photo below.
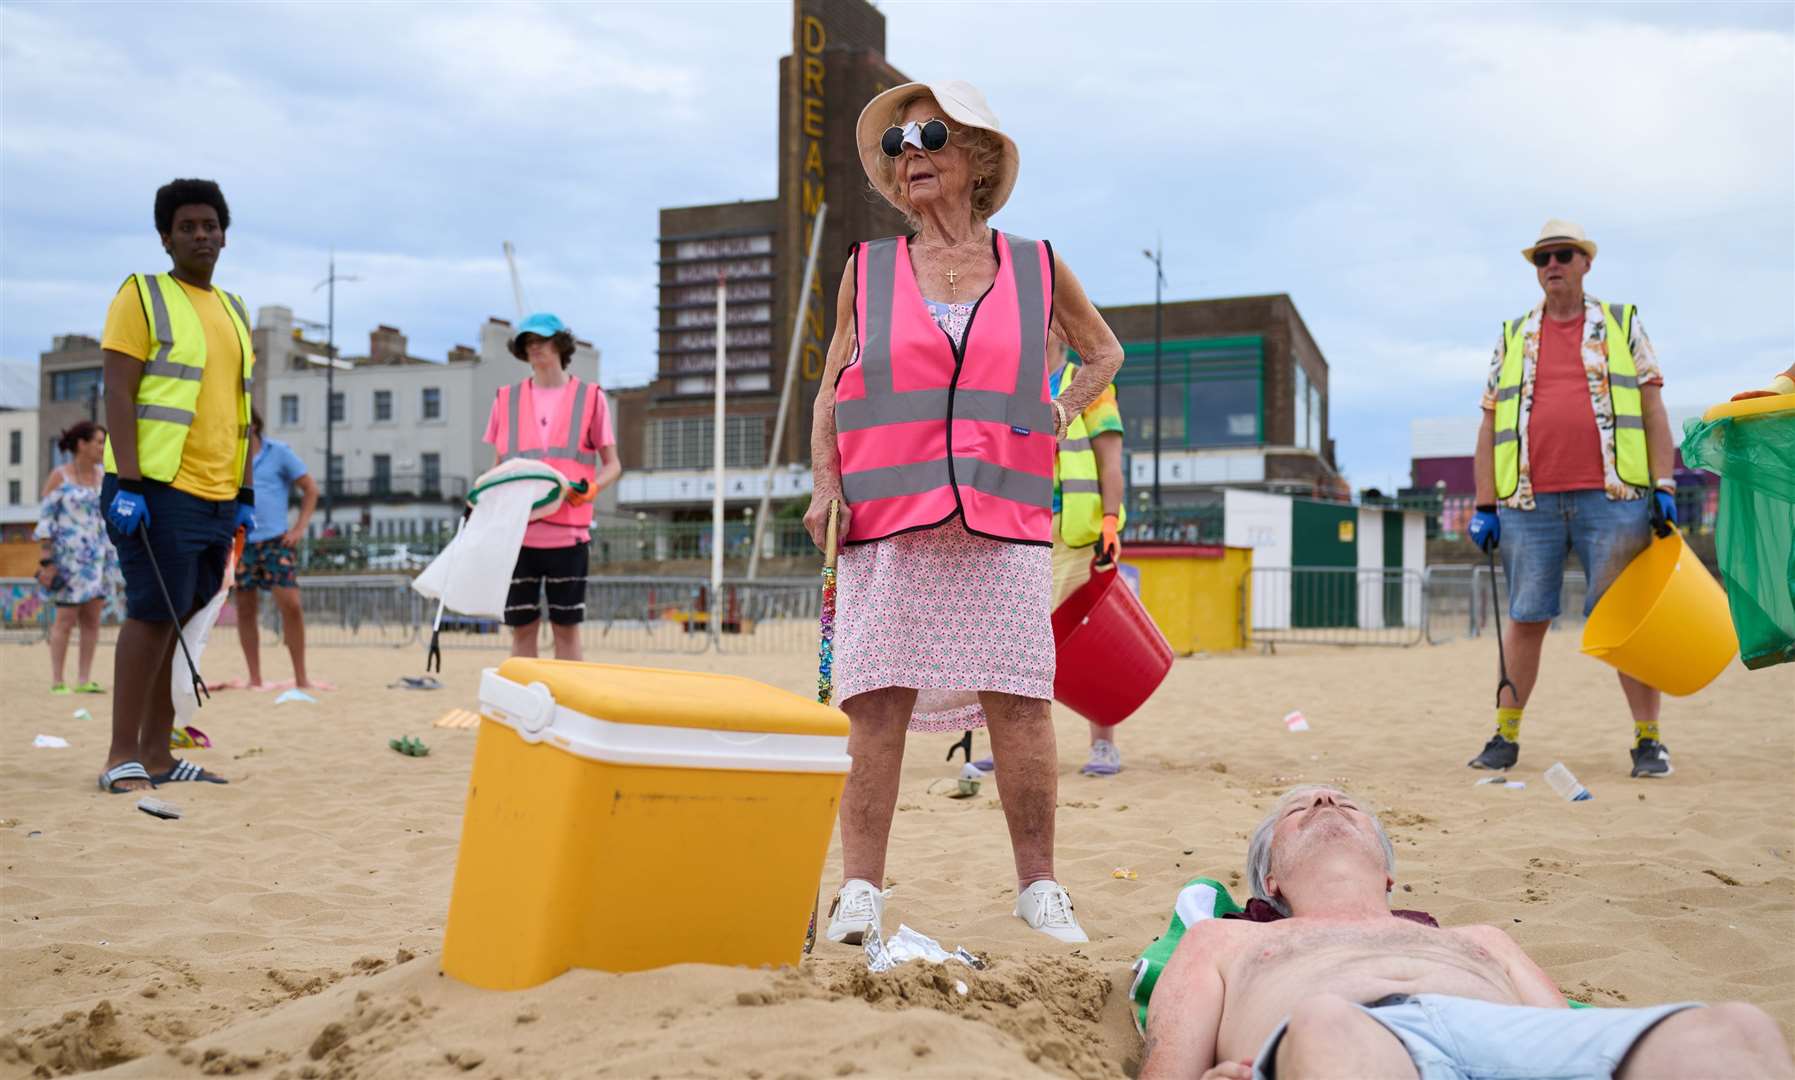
(406, 436)
(20, 480)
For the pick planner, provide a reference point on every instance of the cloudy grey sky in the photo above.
(1382, 163)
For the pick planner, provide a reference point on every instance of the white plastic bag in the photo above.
(197, 630)
(473, 574)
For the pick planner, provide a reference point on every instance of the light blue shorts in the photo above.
(1455, 1038)
(1605, 534)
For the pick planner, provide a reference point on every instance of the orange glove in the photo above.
(1109, 549)
(579, 493)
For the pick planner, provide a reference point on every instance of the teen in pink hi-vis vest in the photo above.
(564, 422)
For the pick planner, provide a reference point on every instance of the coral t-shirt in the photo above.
(1564, 447)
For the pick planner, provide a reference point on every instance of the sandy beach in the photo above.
(289, 925)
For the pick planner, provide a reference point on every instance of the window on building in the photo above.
(1211, 394)
(1301, 412)
(333, 474)
(433, 403)
(383, 474)
(339, 407)
(77, 384)
(12, 492)
(289, 410)
(383, 406)
(685, 443)
(15, 448)
(433, 473)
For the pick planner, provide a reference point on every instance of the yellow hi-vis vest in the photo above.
(169, 389)
(1630, 461)
(1081, 502)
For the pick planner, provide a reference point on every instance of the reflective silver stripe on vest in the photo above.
(1630, 422)
(1507, 392)
(875, 348)
(572, 446)
(1074, 446)
(168, 369)
(165, 335)
(911, 406)
(1630, 382)
(1026, 407)
(892, 481)
(1080, 487)
(1014, 485)
(242, 316)
(166, 413)
(1508, 436)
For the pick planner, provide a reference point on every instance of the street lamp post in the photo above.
(1156, 257)
(330, 383)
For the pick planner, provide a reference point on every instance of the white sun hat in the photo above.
(964, 105)
(1559, 231)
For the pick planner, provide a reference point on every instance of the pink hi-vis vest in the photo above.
(566, 437)
(926, 432)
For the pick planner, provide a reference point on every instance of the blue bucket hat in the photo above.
(543, 324)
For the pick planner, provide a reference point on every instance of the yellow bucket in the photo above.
(612, 810)
(1664, 620)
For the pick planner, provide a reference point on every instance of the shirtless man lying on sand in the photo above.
(1342, 988)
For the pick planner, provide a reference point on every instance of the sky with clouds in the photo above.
(1381, 163)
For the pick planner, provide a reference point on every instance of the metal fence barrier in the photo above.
(1333, 605)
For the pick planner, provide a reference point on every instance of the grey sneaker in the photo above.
(1498, 753)
(1651, 759)
(1105, 760)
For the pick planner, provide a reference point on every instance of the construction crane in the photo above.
(517, 285)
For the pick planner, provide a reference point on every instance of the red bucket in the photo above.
(1111, 657)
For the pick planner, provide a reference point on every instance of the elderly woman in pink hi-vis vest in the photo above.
(936, 432)
(557, 418)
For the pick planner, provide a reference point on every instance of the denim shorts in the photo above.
(1605, 534)
(1455, 1038)
(192, 539)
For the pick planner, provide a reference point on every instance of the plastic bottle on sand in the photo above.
(1565, 784)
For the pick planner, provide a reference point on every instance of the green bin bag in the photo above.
(1753, 452)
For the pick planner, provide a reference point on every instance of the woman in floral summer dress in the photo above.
(944, 614)
(79, 567)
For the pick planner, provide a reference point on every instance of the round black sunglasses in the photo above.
(931, 135)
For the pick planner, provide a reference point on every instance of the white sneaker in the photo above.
(1106, 760)
(857, 910)
(1046, 907)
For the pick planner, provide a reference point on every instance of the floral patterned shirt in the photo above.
(71, 521)
(1595, 367)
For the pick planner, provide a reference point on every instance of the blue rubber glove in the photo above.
(1485, 529)
(246, 510)
(1664, 512)
(128, 511)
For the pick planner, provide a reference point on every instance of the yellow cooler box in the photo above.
(624, 818)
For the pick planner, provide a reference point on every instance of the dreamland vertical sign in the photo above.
(836, 66)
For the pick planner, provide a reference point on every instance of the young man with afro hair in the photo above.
(178, 363)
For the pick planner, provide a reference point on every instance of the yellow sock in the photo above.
(1508, 724)
(1643, 730)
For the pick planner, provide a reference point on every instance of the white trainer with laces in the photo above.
(1045, 906)
(858, 909)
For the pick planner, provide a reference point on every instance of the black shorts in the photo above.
(192, 539)
(559, 572)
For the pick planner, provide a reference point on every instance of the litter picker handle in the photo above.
(832, 535)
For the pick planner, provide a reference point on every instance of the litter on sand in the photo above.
(83, 714)
(158, 808)
(1512, 785)
(460, 719)
(295, 695)
(415, 682)
(1122, 873)
(188, 738)
(410, 746)
(50, 742)
(907, 945)
(1296, 722)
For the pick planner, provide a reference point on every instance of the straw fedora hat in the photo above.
(1559, 231)
(964, 105)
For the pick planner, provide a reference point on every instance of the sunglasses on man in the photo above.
(1563, 255)
(930, 135)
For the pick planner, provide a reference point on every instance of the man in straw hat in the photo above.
(936, 431)
(1576, 447)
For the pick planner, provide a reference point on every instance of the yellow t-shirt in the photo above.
(209, 467)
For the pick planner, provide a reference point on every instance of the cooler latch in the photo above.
(529, 709)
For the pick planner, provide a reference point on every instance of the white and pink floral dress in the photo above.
(945, 612)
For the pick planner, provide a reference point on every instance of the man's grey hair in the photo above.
(1259, 850)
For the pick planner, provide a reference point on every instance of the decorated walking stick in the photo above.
(825, 671)
(825, 653)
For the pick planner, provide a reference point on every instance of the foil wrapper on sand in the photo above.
(907, 945)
